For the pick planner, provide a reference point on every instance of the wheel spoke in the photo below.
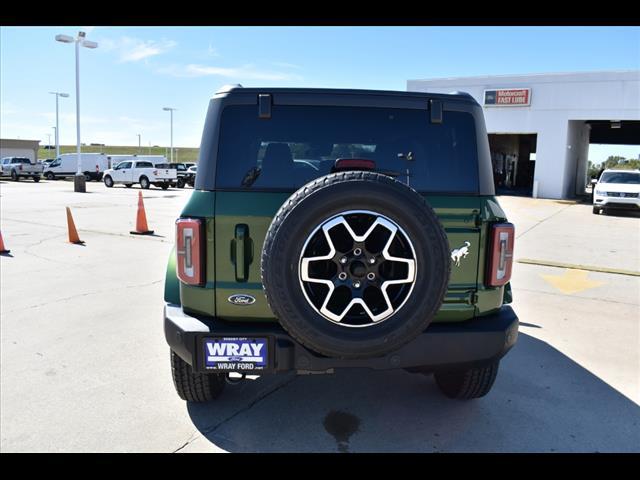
(304, 265)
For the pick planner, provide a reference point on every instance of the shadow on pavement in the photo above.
(542, 402)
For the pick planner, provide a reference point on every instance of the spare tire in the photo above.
(355, 265)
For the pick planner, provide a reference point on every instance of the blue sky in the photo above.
(136, 71)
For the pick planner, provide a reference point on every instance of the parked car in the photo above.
(92, 165)
(142, 172)
(181, 172)
(20, 167)
(617, 189)
(389, 252)
(45, 163)
(190, 177)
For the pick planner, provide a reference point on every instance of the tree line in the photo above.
(614, 161)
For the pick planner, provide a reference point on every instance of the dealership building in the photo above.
(540, 125)
(19, 148)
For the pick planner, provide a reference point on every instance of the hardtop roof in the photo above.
(238, 89)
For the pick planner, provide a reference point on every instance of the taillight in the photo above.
(189, 254)
(500, 254)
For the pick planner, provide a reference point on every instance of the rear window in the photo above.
(144, 165)
(300, 143)
(21, 160)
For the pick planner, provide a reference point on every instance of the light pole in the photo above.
(79, 184)
(170, 109)
(139, 148)
(63, 95)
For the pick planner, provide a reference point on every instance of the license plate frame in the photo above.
(225, 358)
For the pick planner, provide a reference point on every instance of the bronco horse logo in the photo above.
(458, 254)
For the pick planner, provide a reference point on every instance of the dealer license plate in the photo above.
(235, 353)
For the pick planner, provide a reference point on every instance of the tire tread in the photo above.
(194, 387)
(467, 384)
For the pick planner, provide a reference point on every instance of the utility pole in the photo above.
(79, 183)
(63, 95)
(170, 110)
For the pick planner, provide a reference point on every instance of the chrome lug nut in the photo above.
(371, 276)
(342, 276)
(357, 252)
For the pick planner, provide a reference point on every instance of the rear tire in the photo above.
(467, 384)
(596, 210)
(195, 387)
(144, 183)
(180, 182)
(128, 185)
(87, 176)
(164, 186)
(14, 176)
(36, 179)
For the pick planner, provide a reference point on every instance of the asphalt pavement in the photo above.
(84, 365)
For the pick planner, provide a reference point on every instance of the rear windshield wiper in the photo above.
(251, 176)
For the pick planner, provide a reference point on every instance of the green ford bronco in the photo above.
(340, 229)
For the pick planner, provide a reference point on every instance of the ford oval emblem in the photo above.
(241, 299)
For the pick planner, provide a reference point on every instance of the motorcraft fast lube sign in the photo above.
(507, 97)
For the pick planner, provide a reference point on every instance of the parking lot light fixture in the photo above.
(64, 38)
(170, 109)
(63, 95)
(79, 180)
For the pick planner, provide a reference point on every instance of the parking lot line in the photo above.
(573, 266)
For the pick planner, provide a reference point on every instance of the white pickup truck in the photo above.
(16, 167)
(143, 172)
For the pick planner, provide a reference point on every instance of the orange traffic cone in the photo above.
(73, 233)
(141, 219)
(3, 251)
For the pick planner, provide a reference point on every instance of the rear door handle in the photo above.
(242, 252)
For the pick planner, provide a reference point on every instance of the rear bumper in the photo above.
(440, 347)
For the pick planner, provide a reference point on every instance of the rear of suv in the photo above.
(340, 229)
